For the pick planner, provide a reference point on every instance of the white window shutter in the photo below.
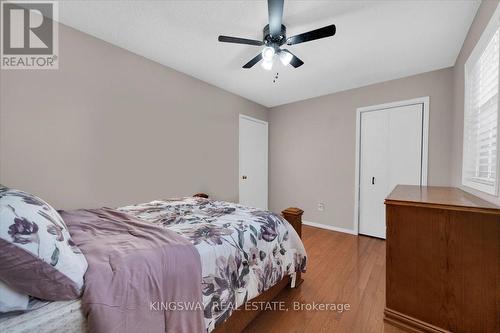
(480, 147)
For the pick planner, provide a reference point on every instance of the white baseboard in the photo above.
(330, 227)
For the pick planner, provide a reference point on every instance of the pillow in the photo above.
(37, 255)
(11, 300)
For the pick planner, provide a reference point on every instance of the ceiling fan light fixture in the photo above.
(274, 36)
(267, 64)
(285, 58)
(268, 53)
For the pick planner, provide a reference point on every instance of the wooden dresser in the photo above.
(443, 261)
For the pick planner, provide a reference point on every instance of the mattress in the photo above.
(45, 317)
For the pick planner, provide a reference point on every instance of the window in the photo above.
(480, 148)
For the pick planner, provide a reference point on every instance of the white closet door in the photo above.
(405, 146)
(390, 154)
(373, 172)
(253, 162)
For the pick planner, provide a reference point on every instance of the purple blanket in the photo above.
(141, 278)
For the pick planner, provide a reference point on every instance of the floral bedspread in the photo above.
(244, 251)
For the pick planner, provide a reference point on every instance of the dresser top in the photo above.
(439, 197)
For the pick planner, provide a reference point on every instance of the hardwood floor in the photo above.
(342, 269)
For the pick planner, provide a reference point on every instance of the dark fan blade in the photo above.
(236, 40)
(295, 62)
(312, 35)
(275, 9)
(252, 62)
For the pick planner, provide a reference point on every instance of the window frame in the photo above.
(477, 52)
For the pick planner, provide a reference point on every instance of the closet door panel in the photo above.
(373, 172)
(390, 154)
(405, 146)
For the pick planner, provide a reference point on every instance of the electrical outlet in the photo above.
(321, 206)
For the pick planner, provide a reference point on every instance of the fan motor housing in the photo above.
(277, 40)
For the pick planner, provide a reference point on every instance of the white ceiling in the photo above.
(376, 40)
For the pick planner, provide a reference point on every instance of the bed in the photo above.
(260, 250)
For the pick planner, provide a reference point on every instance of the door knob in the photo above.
(373, 180)
(244, 177)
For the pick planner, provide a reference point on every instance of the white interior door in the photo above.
(253, 162)
(373, 173)
(390, 154)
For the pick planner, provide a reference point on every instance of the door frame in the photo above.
(425, 144)
(245, 117)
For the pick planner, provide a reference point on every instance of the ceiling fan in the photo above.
(275, 37)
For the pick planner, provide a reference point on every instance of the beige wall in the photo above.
(111, 128)
(312, 144)
(480, 22)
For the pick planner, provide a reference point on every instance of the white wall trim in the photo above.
(425, 143)
(254, 119)
(329, 227)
